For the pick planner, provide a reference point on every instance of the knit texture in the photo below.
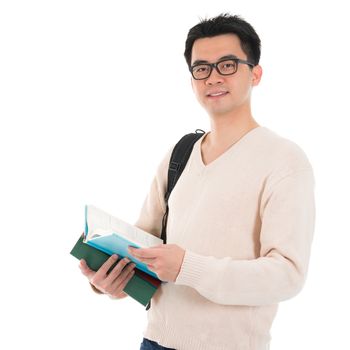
(246, 221)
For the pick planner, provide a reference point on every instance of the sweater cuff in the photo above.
(192, 269)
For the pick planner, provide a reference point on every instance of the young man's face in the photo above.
(223, 94)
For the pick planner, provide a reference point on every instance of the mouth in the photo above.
(217, 94)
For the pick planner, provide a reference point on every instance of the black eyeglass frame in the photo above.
(215, 65)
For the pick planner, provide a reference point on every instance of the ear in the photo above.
(256, 75)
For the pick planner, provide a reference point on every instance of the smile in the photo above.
(217, 94)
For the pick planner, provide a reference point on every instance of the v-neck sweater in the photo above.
(246, 222)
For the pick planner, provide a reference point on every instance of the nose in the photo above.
(214, 78)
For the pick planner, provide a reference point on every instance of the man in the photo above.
(241, 217)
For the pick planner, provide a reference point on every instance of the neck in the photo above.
(228, 129)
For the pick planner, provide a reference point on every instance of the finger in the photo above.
(116, 271)
(124, 279)
(140, 253)
(107, 265)
(147, 260)
(127, 270)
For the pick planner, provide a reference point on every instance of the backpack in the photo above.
(178, 160)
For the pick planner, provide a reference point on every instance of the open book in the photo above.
(113, 236)
(106, 235)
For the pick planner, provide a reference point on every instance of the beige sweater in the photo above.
(246, 221)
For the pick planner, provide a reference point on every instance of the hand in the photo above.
(115, 281)
(165, 260)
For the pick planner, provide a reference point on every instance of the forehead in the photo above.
(211, 49)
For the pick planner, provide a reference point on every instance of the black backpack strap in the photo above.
(178, 160)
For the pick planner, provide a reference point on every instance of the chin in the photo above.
(219, 111)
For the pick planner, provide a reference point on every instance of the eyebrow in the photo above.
(226, 57)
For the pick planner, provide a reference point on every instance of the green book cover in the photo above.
(141, 287)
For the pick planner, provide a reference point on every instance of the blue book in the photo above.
(113, 236)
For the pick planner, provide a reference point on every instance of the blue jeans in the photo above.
(152, 345)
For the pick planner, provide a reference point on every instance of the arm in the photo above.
(287, 217)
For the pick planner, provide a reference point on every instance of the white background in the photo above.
(80, 124)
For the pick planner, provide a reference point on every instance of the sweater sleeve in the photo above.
(153, 208)
(287, 215)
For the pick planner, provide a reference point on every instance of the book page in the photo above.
(102, 223)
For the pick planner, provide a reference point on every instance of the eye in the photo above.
(227, 66)
(200, 69)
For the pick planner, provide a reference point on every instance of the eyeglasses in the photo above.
(224, 67)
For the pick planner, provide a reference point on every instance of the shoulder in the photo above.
(283, 149)
(282, 154)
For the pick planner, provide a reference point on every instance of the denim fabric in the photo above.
(152, 345)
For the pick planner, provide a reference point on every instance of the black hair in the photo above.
(225, 24)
